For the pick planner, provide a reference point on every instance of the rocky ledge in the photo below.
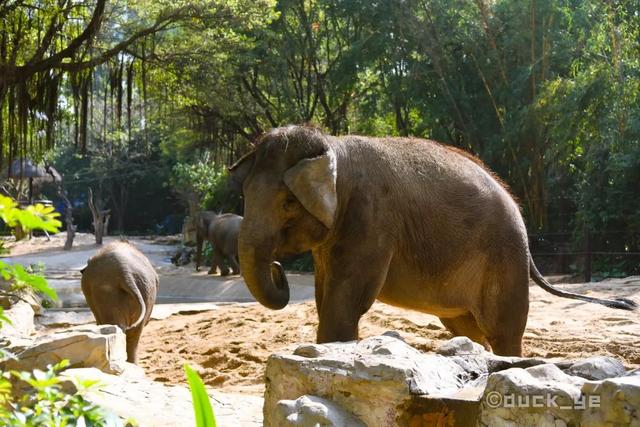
(382, 381)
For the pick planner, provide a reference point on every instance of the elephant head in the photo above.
(289, 187)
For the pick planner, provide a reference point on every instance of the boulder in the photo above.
(597, 368)
(380, 380)
(57, 318)
(541, 395)
(313, 411)
(460, 346)
(612, 402)
(182, 255)
(20, 315)
(102, 347)
(153, 404)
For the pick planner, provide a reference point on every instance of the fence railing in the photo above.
(599, 252)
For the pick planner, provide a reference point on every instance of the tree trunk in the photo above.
(100, 219)
(62, 193)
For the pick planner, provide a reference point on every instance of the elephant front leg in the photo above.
(217, 261)
(349, 290)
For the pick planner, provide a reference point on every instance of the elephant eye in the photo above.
(290, 202)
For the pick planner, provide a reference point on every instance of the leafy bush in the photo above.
(204, 183)
(32, 217)
(302, 262)
(37, 217)
(47, 404)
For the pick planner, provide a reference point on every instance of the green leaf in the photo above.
(201, 403)
(39, 283)
(3, 318)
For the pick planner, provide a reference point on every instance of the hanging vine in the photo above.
(45, 47)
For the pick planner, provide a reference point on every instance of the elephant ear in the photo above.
(313, 182)
(239, 171)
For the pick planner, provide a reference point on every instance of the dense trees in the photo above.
(544, 91)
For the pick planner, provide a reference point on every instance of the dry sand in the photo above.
(230, 345)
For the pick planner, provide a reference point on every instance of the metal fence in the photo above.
(592, 255)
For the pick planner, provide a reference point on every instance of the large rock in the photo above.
(612, 402)
(313, 411)
(541, 395)
(381, 380)
(153, 404)
(460, 346)
(102, 347)
(59, 318)
(597, 368)
(20, 316)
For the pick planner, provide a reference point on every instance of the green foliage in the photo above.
(302, 262)
(130, 180)
(36, 217)
(32, 217)
(546, 93)
(202, 181)
(3, 319)
(47, 404)
(201, 403)
(207, 251)
(22, 279)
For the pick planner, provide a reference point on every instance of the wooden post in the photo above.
(68, 210)
(100, 219)
(587, 254)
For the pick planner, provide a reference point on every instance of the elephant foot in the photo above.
(235, 272)
(224, 272)
(212, 271)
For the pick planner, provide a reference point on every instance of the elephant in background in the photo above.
(408, 221)
(221, 230)
(120, 286)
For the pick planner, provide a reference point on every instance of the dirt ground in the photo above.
(231, 344)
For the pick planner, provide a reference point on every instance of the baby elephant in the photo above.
(120, 286)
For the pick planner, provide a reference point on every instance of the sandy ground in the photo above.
(231, 343)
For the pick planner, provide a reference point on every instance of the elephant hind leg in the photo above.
(502, 314)
(133, 337)
(466, 326)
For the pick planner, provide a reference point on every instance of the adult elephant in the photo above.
(221, 230)
(411, 222)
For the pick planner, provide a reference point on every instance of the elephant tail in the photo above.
(132, 289)
(620, 303)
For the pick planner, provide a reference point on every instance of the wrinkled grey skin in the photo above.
(120, 286)
(222, 232)
(407, 221)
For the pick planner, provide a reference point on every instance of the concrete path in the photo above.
(177, 284)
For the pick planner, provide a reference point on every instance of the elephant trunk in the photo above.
(265, 278)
